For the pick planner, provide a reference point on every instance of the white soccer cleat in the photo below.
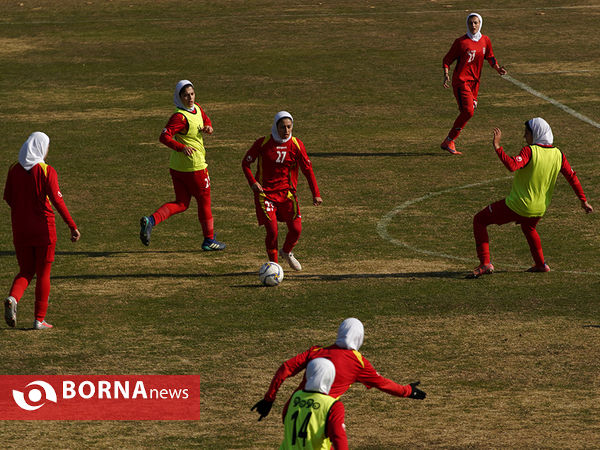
(291, 260)
(10, 311)
(43, 325)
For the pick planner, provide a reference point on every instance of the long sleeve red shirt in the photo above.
(178, 124)
(277, 165)
(336, 429)
(469, 56)
(513, 163)
(350, 367)
(30, 195)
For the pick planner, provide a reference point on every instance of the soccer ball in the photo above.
(270, 274)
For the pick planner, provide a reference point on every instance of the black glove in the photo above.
(263, 407)
(416, 393)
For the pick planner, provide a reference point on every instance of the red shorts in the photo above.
(466, 95)
(277, 206)
(28, 256)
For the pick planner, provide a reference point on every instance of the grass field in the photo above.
(509, 360)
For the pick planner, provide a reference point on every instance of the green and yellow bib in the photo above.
(197, 161)
(533, 185)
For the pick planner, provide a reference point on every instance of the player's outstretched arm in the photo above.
(416, 393)
(263, 408)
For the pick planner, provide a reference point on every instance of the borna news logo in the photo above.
(35, 396)
(96, 397)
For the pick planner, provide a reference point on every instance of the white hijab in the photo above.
(34, 150)
(351, 334)
(320, 374)
(177, 98)
(542, 133)
(474, 37)
(280, 115)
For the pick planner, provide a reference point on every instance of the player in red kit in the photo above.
(278, 158)
(469, 52)
(31, 190)
(350, 366)
(188, 167)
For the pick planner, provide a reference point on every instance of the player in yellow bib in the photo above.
(314, 420)
(183, 135)
(536, 168)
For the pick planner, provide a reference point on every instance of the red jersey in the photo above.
(277, 165)
(30, 195)
(350, 367)
(513, 163)
(179, 124)
(469, 56)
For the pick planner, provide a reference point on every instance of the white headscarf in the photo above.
(351, 334)
(320, 374)
(474, 37)
(280, 115)
(177, 98)
(34, 150)
(541, 131)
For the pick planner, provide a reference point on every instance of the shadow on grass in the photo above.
(105, 254)
(319, 277)
(380, 154)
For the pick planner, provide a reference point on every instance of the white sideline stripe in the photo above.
(559, 105)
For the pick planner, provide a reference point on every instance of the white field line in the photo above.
(559, 105)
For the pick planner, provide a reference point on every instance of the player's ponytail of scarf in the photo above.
(540, 131)
(474, 37)
(177, 99)
(320, 373)
(351, 334)
(280, 115)
(34, 150)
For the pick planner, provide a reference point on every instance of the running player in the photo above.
(278, 158)
(536, 168)
(183, 134)
(468, 51)
(31, 190)
(350, 365)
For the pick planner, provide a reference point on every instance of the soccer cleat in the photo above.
(10, 311)
(449, 146)
(544, 268)
(43, 325)
(291, 260)
(482, 269)
(211, 245)
(145, 230)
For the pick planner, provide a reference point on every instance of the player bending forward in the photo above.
(536, 168)
(350, 365)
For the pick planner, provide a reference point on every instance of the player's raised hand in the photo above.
(417, 393)
(263, 408)
(496, 138)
